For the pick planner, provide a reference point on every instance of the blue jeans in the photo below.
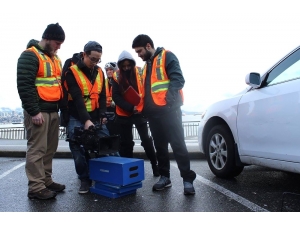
(79, 155)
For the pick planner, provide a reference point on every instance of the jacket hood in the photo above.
(34, 43)
(125, 55)
(157, 51)
(76, 57)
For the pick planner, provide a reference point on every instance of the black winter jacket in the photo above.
(120, 102)
(27, 68)
(76, 107)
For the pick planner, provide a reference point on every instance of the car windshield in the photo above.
(289, 69)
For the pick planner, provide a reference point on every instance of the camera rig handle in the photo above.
(107, 115)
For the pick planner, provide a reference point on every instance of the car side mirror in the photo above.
(253, 79)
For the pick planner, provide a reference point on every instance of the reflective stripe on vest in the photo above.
(48, 78)
(139, 107)
(159, 79)
(90, 92)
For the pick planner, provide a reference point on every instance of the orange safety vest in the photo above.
(48, 78)
(90, 92)
(159, 79)
(108, 93)
(139, 107)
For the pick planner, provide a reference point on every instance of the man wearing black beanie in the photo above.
(40, 91)
(54, 32)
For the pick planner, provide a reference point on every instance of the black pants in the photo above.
(126, 138)
(111, 124)
(168, 129)
(113, 127)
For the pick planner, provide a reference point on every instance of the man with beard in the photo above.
(39, 88)
(163, 82)
(128, 112)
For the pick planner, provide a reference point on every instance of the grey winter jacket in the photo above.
(173, 97)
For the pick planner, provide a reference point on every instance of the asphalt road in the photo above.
(256, 189)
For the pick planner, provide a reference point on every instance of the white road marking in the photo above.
(250, 205)
(11, 170)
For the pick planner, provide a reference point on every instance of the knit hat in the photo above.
(92, 46)
(111, 65)
(54, 32)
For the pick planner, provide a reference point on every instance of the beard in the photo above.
(49, 49)
(147, 55)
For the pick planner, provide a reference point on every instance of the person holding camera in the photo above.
(128, 112)
(85, 85)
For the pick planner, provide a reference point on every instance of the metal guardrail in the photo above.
(190, 129)
(12, 133)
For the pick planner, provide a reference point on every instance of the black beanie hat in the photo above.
(54, 32)
(92, 46)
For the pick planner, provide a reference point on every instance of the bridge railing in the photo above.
(190, 129)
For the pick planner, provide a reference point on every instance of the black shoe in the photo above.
(162, 184)
(188, 188)
(56, 187)
(155, 170)
(42, 194)
(85, 186)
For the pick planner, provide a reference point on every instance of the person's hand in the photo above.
(87, 124)
(170, 99)
(38, 119)
(135, 111)
(104, 120)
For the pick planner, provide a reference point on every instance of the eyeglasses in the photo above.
(94, 60)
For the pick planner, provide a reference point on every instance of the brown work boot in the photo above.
(42, 194)
(56, 187)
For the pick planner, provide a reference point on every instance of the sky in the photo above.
(217, 42)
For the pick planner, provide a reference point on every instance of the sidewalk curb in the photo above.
(66, 155)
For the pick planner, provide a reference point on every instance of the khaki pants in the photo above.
(42, 142)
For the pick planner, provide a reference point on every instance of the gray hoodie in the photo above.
(125, 55)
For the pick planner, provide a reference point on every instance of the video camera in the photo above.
(95, 145)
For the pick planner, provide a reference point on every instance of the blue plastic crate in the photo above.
(117, 188)
(117, 170)
(109, 193)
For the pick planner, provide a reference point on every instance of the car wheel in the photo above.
(220, 153)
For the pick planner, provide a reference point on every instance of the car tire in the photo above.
(220, 153)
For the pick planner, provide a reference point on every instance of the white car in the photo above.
(260, 126)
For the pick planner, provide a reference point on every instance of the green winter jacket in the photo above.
(27, 68)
